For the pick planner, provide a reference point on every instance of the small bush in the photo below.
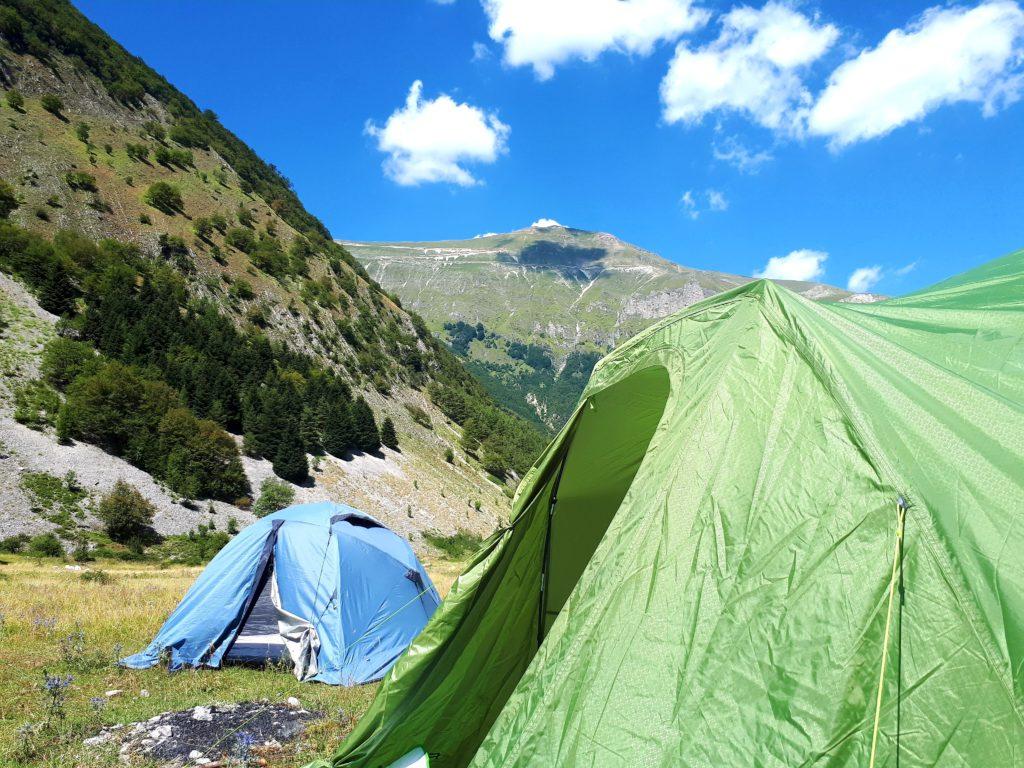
(274, 496)
(8, 200)
(45, 545)
(245, 217)
(12, 545)
(196, 547)
(82, 132)
(202, 227)
(241, 289)
(99, 576)
(242, 239)
(81, 181)
(36, 405)
(419, 415)
(126, 514)
(137, 152)
(153, 129)
(52, 104)
(15, 100)
(164, 197)
(449, 455)
(457, 547)
(219, 222)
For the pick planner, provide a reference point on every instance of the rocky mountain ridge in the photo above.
(569, 295)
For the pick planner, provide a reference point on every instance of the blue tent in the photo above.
(323, 584)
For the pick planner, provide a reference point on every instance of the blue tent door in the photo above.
(255, 637)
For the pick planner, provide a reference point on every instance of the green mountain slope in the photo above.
(531, 311)
(212, 278)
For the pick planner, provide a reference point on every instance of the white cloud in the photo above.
(546, 33)
(753, 67)
(948, 55)
(696, 203)
(741, 158)
(803, 264)
(430, 140)
(717, 201)
(906, 269)
(544, 224)
(481, 52)
(863, 279)
(485, 234)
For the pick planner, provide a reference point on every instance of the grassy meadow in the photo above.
(61, 622)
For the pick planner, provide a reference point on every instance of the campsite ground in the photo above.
(64, 622)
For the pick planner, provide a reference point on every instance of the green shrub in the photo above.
(449, 455)
(202, 227)
(197, 547)
(56, 499)
(164, 197)
(245, 217)
(52, 104)
(98, 576)
(154, 129)
(419, 415)
(125, 513)
(82, 132)
(36, 404)
(241, 239)
(137, 152)
(12, 545)
(65, 359)
(241, 289)
(456, 547)
(9, 202)
(81, 181)
(45, 545)
(219, 222)
(274, 496)
(168, 157)
(15, 100)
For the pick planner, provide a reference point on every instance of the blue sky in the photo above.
(827, 136)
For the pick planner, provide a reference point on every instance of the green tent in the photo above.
(773, 533)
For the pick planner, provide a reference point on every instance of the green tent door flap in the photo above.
(710, 564)
(604, 453)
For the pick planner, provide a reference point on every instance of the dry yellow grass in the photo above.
(43, 605)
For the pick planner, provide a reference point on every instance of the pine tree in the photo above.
(57, 294)
(310, 427)
(387, 434)
(339, 437)
(367, 437)
(290, 460)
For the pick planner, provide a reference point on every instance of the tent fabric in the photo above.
(699, 566)
(323, 582)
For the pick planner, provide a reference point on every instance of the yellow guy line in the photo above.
(901, 512)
